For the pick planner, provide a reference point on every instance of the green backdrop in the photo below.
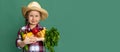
(84, 25)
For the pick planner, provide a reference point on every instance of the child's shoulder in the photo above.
(23, 28)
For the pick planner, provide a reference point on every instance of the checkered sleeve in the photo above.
(18, 39)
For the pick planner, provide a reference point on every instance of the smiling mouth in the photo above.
(33, 21)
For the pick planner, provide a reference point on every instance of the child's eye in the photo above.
(31, 15)
(36, 16)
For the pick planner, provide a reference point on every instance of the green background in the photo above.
(84, 25)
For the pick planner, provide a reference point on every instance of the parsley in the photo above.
(51, 39)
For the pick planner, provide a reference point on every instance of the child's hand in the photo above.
(39, 39)
(30, 40)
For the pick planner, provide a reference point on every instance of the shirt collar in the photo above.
(37, 26)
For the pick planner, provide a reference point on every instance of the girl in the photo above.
(33, 13)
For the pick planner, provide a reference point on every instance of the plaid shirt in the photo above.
(34, 47)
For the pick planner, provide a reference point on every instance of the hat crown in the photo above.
(34, 4)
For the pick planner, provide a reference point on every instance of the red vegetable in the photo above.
(35, 31)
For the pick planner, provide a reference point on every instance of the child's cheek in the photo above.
(38, 20)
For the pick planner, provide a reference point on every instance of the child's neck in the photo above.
(32, 26)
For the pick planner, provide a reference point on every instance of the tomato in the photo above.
(35, 31)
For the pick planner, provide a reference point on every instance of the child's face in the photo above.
(34, 17)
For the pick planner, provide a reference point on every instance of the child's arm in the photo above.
(21, 43)
(26, 41)
(40, 39)
(19, 40)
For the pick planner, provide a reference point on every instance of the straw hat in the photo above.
(35, 6)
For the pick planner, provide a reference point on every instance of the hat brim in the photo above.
(44, 13)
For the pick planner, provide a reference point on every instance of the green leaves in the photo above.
(51, 39)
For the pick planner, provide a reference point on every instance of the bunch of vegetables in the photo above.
(51, 39)
(35, 32)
